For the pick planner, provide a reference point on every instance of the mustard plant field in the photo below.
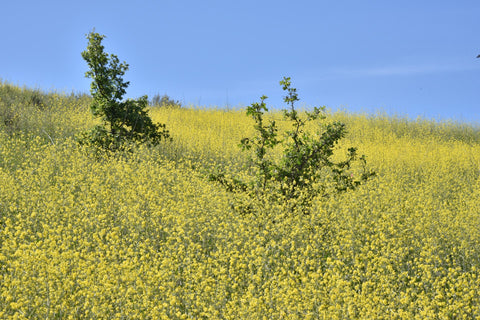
(145, 235)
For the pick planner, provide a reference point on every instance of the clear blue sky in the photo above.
(406, 57)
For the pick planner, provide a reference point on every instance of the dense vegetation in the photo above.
(145, 235)
(295, 166)
(123, 121)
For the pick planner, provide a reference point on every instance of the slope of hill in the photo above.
(145, 235)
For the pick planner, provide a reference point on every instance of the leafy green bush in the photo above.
(122, 120)
(305, 166)
(165, 101)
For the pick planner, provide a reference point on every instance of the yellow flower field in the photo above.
(145, 235)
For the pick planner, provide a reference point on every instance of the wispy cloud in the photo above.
(399, 70)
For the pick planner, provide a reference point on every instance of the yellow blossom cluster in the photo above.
(145, 235)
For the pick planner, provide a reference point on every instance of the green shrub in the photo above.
(305, 169)
(122, 120)
(165, 101)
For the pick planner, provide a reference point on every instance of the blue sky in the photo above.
(410, 58)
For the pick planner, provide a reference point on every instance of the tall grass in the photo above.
(51, 116)
(146, 236)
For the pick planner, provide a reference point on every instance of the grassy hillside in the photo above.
(145, 235)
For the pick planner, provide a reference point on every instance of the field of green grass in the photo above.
(145, 235)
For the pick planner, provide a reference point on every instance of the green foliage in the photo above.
(122, 120)
(306, 159)
(165, 101)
